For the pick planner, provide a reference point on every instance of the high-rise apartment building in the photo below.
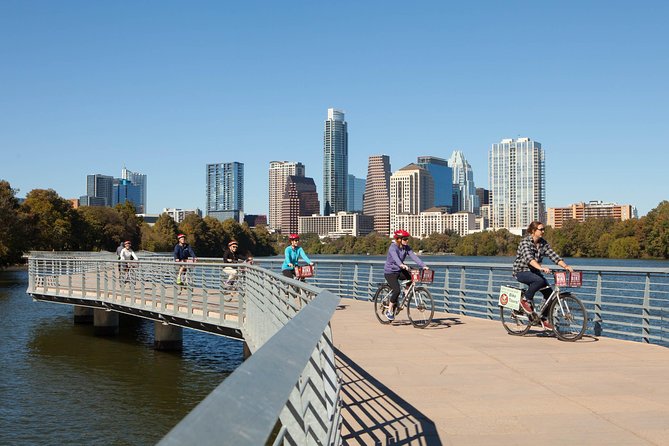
(100, 186)
(225, 190)
(593, 209)
(300, 199)
(464, 191)
(335, 163)
(411, 192)
(279, 171)
(517, 180)
(178, 215)
(139, 180)
(442, 174)
(376, 201)
(356, 190)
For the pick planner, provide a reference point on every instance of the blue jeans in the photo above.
(534, 283)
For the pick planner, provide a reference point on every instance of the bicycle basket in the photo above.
(560, 278)
(305, 271)
(575, 279)
(425, 275)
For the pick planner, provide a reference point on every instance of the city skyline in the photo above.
(196, 85)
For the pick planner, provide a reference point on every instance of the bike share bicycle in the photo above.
(417, 299)
(562, 309)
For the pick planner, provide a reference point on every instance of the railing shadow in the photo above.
(372, 414)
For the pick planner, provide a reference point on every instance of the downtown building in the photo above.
(356, 192)
(125, 191)
(435, 220)
(279, 171)
(139, 181)
(376, 201)
(591, 210)
(411, 192)
(300, 198)
(517, 180)
(464, 192)
(99, 191)
(225, 191)
(178, 215)
(442, 174)
(337, 225)
(335, 163)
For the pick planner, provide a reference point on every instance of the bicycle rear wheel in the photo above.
(569, 317)
(420, 308)
(515, 322)
(381, 303)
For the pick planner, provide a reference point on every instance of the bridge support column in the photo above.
(105, 323)
(247, 351)
(83, 315)
(167, 337)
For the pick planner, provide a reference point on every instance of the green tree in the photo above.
(655, 232)
(104, 228)
(162, 236)
(51, 220)
(195, 229)
(624, 248)
(12, 229)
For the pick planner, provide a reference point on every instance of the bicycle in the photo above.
(417, 299)
(184, 279)
(563, 309)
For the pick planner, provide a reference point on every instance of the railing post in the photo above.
(598, 305)
(354, 291)
(461, 294)
(370, 286)
(447, 294)
(645, 312)
(490, 301)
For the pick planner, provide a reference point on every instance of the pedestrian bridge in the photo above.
(460, 381)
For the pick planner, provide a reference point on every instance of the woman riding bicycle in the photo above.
(527, 267)
(291, 256)
(395, 269)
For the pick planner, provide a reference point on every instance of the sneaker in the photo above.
(547, 325)
(390, 315)
(527, 306)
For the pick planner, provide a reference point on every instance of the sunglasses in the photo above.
(541, 229)
(406, 239)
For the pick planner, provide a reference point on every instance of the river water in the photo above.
(60, 384)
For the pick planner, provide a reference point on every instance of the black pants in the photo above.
(393, 280)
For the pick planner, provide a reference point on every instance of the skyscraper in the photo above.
(300, 199)
(335, 163)
(376, 201)
(139, 180)
(517, 179)
(125, 190)
(100, 186)
(442, 174)
(411, 192)
(225, 190)
(279, 171)
(464, 191)
(356, 190)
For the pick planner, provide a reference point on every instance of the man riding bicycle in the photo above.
(395, 269)
(182, 253)
(231, 255)
(527, 267)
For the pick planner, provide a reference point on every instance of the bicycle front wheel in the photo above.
(569, 318)
(420, 308)
(381, 299)
(515, 322)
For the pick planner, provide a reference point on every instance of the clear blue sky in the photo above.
(166, 87)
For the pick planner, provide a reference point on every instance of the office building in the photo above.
(517, 180)
(376, 201)
(435, 220)
(300, 198)
(338, 225)
(178, 215)
(225, 191)
(279, 171)
(464, 191)
(99, 186)
(87, 200)
(411, 192)
(356, 190)
(335, 163)
(124, 191)
(593, 209)
(254, 220)
(139, 180)
(442, 174)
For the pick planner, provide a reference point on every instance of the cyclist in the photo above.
(527, 267)
(291, 256)
(127, 254)
(395, 269)
(231, 255)
(182, 252)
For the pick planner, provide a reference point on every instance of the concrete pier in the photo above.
(83, 315)
(105, 323)
(167, 337)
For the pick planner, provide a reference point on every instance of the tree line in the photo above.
(47, 222)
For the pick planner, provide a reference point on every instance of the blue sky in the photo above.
(165, 87)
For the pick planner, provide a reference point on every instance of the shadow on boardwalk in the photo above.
(374, 414)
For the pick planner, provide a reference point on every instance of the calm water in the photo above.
(59, 384)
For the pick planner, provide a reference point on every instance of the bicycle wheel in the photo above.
(420, 308)
(569, 318)
(515, 322)
(381, 303)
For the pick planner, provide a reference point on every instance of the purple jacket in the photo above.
(396, 257)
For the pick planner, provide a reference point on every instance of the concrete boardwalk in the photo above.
(464, 381)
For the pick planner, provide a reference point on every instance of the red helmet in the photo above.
(401, 233)
(181, 235)
(293, 237)
(232, 242)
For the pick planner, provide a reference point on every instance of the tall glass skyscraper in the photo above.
(376, 201)
(125, 190)
(279, 171)
(464, 191)
(442, 174)
(517, 178)
(100, 186)
(225, 190)
(356, 190)
(139, 180)
(335, 163)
